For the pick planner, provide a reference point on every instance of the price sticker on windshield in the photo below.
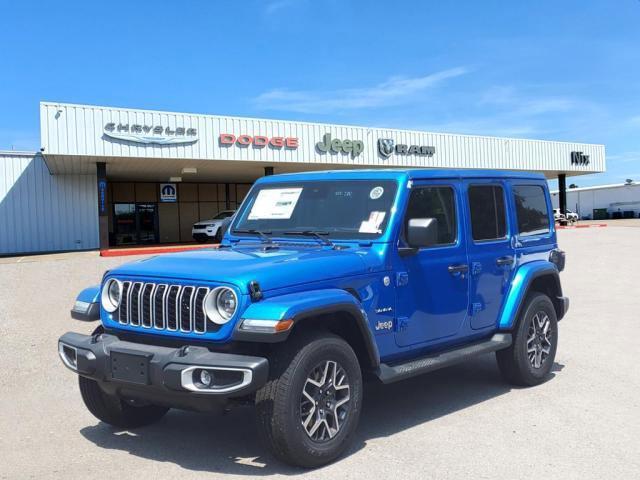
(273, 204)
(372, 224)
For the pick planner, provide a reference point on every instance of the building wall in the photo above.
(41, 212)
(79, 131)
(614, 198)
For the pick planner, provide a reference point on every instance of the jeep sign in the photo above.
(354, 147)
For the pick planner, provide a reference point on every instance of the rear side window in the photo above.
(435, 202)
(488, 217)
(531, 209)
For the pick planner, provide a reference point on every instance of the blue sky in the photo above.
(549, 69)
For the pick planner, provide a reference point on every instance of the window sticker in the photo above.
(372, 225)
(277, 203)
(376, 193)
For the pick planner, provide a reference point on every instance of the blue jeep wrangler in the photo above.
(323, 278)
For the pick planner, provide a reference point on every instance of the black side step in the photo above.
(389, 374)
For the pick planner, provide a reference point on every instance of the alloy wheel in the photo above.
(324, 403)
(539, 339)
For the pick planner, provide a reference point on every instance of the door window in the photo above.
(488, 216)
(435, 202)
(531, 209)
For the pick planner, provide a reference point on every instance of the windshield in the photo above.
(338, 209)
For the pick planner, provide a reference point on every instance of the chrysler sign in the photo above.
(150, 134)
(387, 146)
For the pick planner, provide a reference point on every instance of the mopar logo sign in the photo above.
(168, 192)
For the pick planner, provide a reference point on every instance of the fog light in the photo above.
(205, 378)
(68, 355)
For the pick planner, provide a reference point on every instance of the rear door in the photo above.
(490, 249)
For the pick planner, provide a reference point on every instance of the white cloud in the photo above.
(273, 7)
(623, 157)
(635, 121)
(391, 92)
(494, 127)
(509, 98)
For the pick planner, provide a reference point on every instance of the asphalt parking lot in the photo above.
(456, 423)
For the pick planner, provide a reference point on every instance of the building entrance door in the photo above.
(135, 223)
(147, 219)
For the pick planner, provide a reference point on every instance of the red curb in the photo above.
(593, 225)
(123, 252)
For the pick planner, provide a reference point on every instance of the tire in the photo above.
(282, 406)
(217, 238)
(113, 410)
(518, 364)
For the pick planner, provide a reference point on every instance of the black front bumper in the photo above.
(562, 306)
(162, 375)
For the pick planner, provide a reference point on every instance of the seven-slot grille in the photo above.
(163, 307)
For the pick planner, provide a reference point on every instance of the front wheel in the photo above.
(529, 359)
(310, 407)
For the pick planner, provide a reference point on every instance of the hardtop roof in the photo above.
(400, 174)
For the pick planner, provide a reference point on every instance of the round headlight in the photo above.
(220, 304)
(111, 295)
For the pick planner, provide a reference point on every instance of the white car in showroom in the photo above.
(211, 230)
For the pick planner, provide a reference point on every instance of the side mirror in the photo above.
(422, 232)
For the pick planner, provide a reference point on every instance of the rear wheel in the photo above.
(310, 407)
(529, 359)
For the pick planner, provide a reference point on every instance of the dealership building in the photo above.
(106, 177)
(620, 200)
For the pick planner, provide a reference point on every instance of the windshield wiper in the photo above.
(263, 235)
(312, 233)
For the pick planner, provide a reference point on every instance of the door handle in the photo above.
(458, 269)
(508, 260)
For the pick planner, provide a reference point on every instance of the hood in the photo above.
(208, 222)
(273, 269)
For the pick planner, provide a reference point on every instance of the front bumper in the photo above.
(563, 306)
(163, 375)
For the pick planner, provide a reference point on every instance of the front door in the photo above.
(491, 255)
(433, 283)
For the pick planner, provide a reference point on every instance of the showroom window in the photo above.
(488, 217)
(531, 209)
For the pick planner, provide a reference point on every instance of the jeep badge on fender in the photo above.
(323, 279)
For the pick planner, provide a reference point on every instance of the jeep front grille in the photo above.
(163, 307)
